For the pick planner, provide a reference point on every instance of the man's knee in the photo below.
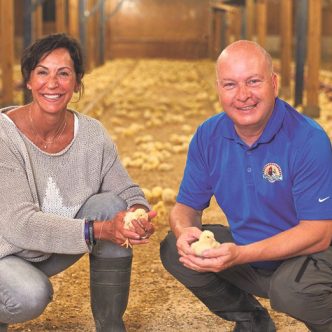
(168, 252)
(170, 259)
(102, 206)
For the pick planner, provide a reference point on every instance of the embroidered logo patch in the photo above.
(272, 172)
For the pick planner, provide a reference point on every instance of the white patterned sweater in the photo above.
(41, 193)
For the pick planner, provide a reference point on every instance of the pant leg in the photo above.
(245, 277)
(56, 263)
(302, 288)
(25, 291)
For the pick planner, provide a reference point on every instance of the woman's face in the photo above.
(53, 81)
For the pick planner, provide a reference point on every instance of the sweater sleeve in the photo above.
(116, 179)
(22, 223)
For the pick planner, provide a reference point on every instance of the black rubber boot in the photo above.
(3, 327)
(233, 304)
(109, 282)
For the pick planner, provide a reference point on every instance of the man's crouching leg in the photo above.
(220, 296)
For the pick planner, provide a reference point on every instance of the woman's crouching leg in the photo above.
(102, 206)
(25, 291)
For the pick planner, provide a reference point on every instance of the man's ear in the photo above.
(275, 82)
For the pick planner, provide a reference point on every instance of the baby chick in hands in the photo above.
(138, 215)
(206, 241)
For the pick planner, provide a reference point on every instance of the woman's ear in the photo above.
(28, 86)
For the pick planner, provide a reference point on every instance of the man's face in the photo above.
(246, 89)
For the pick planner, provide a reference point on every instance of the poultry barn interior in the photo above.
(151, 81)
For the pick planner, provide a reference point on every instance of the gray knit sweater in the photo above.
(41, 193)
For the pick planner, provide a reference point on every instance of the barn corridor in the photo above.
(151, 108)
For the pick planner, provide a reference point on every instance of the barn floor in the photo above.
(151, 108)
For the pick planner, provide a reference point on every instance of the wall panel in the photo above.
(159, 28)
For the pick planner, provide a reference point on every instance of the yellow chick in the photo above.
(168, 196)
(156, 193)
(139, 214)
(206, 241)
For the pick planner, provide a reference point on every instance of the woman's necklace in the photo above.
(58, 133)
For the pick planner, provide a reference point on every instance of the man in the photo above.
(270, 170)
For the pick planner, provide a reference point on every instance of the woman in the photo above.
(63, 193)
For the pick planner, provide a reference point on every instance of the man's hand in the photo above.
(213, 260)
(186, 238)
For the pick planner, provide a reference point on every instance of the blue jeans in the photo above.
(25, 289)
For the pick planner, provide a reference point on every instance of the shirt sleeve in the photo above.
(195, 189)
(312, 187)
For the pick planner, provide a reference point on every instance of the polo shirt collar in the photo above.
(271, 129)
(275, 122)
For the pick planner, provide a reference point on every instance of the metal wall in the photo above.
(160, 28)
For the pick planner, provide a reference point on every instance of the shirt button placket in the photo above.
(248, 164)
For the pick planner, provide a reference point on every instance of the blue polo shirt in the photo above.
(285, 177)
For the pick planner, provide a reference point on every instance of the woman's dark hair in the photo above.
(42, 47)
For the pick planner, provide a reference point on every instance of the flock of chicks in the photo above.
(132, 108)
(155, 155)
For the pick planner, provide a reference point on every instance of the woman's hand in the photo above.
(144, 227)
(114, 230)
